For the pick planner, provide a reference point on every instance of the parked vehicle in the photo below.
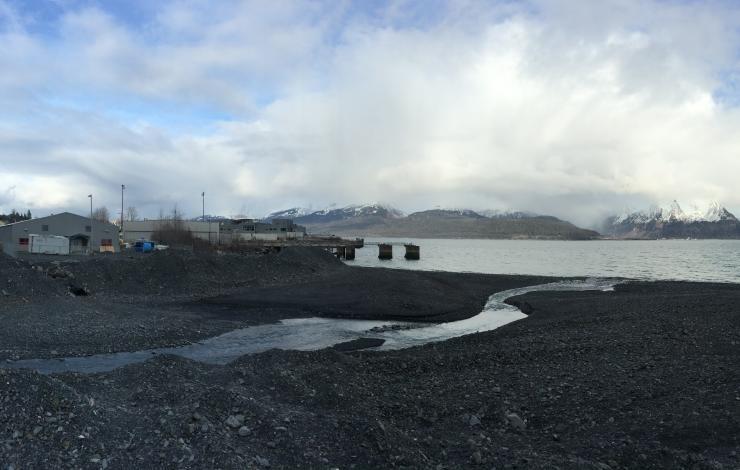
(144, 246)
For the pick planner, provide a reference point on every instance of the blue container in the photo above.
(143, 246)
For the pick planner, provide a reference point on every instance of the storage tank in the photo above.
(48, 244)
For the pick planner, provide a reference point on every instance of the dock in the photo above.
(344, 248)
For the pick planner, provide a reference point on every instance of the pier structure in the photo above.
(385, 250)
(343, 248)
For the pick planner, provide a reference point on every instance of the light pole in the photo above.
(91, 225)
(203, 216)
(123, 186)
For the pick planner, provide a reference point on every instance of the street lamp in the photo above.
(123, 186)
(91, 225)
(203, 216)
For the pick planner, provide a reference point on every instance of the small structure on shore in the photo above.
(83, 235)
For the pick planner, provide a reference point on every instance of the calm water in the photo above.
(695, 260)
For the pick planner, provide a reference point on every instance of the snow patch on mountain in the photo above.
(292, 213)
(673, 213)
(507, 214)
(333, 212)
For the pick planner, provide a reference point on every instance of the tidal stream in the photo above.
(316, 333)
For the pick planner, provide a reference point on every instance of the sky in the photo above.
(572, 108)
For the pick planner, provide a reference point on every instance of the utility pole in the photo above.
(203, 215)
(92, 238)
(123, 186)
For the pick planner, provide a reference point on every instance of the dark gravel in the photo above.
(644, 377)
(174, 298)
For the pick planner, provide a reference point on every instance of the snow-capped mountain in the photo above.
(333, 214)
(361, 220)
(674, 213)
(448, 213)
(672, 221)
(506, 214)
(292, 213)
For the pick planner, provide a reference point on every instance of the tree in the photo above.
(132, 214)
(101, 214)
(15, 216)
(172, 229)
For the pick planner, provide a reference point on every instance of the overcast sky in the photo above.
(574, 108)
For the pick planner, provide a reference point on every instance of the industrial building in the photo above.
(218, 231)
(143, 229)
(251, 229)
(64, 233)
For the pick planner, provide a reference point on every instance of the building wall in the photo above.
(65, 224)
(136, 230)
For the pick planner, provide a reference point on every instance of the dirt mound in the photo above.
(187, 273)
(20, 280)
(300, 256)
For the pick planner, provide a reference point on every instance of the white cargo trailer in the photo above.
(48, 244)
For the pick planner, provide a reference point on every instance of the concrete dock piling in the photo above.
(412, 251)
(349, 253)
(341, 252)
(385, 251)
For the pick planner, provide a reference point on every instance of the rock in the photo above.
(244, 431)
(78, 291)
(261, 461)
(235, 421)
(477, 458)
(359, 343)
(474, 420)
(516, 422)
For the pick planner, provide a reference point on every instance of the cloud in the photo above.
(560, 107)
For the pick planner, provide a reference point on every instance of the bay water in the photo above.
(689, 260)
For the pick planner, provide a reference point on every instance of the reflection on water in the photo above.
(315, 333)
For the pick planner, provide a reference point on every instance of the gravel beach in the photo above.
(176, 298)
(643, 377)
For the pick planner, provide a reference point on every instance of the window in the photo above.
(23, 241)
(88, 228)
(44, 228)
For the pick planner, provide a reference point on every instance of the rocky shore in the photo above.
(643, 377)
(175, 298)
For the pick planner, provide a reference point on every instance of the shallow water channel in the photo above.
(315, 333)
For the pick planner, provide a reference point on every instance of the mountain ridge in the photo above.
(673, 222)
(383, 220)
